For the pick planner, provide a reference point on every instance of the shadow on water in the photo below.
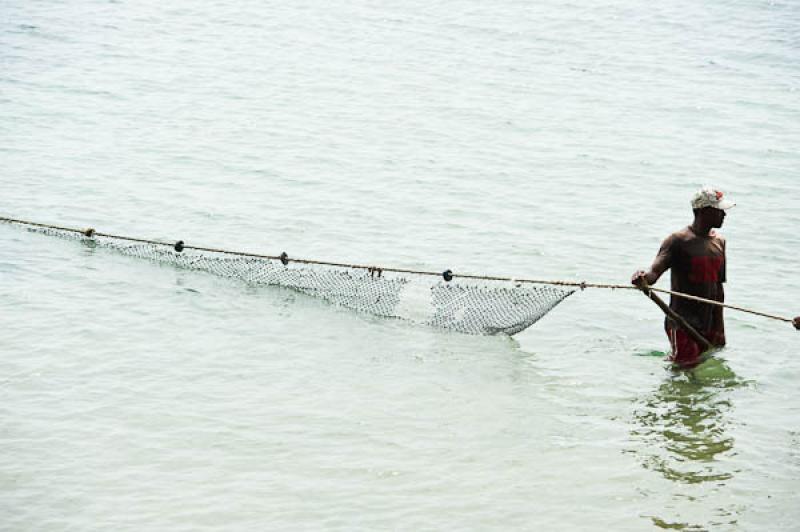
(681, 429)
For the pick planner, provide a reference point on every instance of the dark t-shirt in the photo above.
(697, 265)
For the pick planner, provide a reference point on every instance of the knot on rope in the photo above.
(89, 232)
(447, 275)
(284, 258)
(178, 246)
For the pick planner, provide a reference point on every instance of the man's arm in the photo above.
(662, 263)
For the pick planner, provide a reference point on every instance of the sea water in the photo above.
(527, 139)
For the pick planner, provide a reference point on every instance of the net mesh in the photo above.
(466, 306)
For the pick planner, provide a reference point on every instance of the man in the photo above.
(696, 257)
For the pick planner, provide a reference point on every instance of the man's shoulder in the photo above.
(681, 235)
(686, 234)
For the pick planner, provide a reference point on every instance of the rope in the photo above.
(284, 258)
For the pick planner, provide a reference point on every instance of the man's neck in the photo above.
(700, 229)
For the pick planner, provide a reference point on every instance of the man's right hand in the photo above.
(639, 279)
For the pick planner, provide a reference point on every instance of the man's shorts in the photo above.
(685, 351)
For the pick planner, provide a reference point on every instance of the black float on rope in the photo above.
(447, 275)
(89, 232)
(179, 246)
(284, 258)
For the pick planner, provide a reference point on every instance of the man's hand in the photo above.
(639, 279)
(796, 323)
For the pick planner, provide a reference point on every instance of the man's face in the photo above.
(717, 217)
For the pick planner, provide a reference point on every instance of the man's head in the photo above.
(709, 205)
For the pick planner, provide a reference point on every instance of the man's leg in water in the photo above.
(685, 351)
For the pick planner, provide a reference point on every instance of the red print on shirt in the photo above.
(705, 269)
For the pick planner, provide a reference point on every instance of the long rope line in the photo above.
(284, 258)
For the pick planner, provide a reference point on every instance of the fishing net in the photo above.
(467, 306)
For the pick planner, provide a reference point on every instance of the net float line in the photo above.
(447, 275)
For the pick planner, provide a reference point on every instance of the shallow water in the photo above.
(548, 140)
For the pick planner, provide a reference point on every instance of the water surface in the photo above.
(541, 140)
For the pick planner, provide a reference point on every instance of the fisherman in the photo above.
(696, 257)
